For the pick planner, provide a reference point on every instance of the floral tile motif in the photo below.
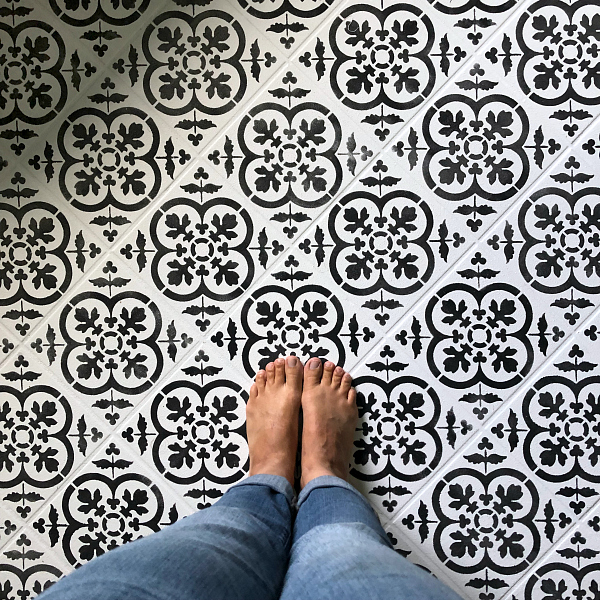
(571, 568)
(190, 189)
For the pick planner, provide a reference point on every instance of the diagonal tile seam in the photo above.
(378, 153)
(516, 204)
(276, 265)
(25, 347)
(527, 382)
(74, 95)
(321, 217)
(476, 240)
(455, 455)
(113, 435)
(190, 168)
(60, 488)
(505, 405)
(210, 136)
(506, 17)
(113, 252)
(544, 558)
(110, 250)
(107, 69)
(426, 105)
(464, 67)
(167, 374)
(460, 72)
(186, 172)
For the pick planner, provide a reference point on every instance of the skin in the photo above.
(330, 415)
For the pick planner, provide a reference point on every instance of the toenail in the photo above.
(291, 361)
(314, 364)
(270, 366)
(279, 361)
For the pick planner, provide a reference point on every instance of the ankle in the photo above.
(312, 473)
(280, 468)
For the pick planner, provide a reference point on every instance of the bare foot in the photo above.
(272, 418)
(330, 415)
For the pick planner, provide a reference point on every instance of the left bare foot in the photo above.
(330, 416)
(272, 418)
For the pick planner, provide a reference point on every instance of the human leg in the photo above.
(339, 548)
(236, 549)
(341, 551)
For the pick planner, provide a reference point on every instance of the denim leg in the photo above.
(341, 551)
(236, 549)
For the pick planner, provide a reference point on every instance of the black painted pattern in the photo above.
(190, 189)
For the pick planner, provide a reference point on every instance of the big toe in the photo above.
(293, 372)
(312, 372)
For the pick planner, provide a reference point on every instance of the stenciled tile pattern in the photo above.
(192, 188)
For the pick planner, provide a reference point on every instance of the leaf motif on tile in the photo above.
(194, 63)
(305, 322)
(556, 66)
(479, 335)
(485, 521)
(202, 249)
(382, 57)
(111, 341)
(214, 445)
(34, 91)
(103, 510)
(396, 435)
(289, 153)
(561, 232)
(476, 148)
(118, 168)
(381, 243)
(562, 416)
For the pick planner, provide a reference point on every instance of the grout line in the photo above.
(541, 560)
(321, 217)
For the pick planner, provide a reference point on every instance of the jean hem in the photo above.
(328, 481)
(275, 482)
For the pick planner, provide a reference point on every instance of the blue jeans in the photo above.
(249, 547)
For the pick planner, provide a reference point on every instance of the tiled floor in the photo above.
(191, 188)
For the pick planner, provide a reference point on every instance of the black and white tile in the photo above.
(189, 189)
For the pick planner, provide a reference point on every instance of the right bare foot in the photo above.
(329, 420)
(272, 418)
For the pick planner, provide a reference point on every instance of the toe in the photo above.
(352, 395)
(336, 379)
(270, 372)
(312, 372)
(261, 380)
(280, 371)
(346, 383)
(293, 372)
(253, 391)
(328, 368)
